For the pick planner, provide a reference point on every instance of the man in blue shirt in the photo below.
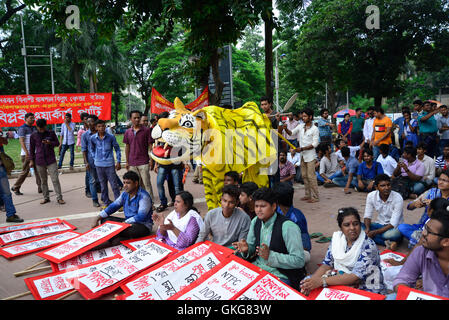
(285, 207)
(137, 207)
(102, 146)
(88, 159)
(428, 128)
(325, 127)
(351, 165)
(367, 172)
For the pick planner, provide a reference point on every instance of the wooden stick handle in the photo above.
(21, 273)
(35, 265)
(283, 138)
(67, 295)
(18, 295)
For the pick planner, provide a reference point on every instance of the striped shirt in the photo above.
(440, 162)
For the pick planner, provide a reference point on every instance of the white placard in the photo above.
(334, 294)
(270, 288)
(28, 233)
(224, 284)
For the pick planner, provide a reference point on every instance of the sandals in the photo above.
(161, 208)
(60, 201)
(324, 239)
(45, 201)
(316, 235)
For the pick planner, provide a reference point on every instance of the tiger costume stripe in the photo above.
(223, 140)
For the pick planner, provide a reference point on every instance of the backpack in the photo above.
(402, 186)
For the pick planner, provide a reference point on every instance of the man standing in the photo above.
(291, 123)
(308, 140)
(25, 132)
(443, 127)
(144, 121)
(42, 156)
(357, 128)
(388, 205)
(428, 128)
(325, 127)
(102, 146)
(67, 140)
(382, 128)
(89, 161)
(138, 141)
(368, 126)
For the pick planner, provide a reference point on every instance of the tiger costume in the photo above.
(223, 140)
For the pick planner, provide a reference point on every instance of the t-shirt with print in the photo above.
(25, 132)
(380, 127)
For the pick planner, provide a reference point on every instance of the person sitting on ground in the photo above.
(181, 227)
(408, 172)
(340, 143)
(349, 170)
(137, 206)
(388, 205)
(274, 241)
(367, 171)
(412, 231)
(442, 163)
(231, 177)
(388, 162)
(430, 260)
(285, 207)
(429, 172)
(352, 259)
(287, 170)
(227, 223)
(295, 158)
(329, 166)
(245, 199)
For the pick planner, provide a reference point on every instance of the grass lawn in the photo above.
(12, 149)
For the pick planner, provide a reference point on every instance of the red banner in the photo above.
(53, 107)
(160, 104)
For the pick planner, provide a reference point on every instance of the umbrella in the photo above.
(341, 113)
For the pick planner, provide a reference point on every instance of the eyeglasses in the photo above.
(428, 231)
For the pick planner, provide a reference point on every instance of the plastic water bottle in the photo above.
(32, 171)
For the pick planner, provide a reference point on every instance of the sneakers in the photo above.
(14, 218)
(96, 204)
(88, 195)
(16, 192)
(329, 185)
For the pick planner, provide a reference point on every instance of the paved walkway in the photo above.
(78, 210)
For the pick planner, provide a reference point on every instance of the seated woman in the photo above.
(351, 260)
(181, 226)
(413, 231)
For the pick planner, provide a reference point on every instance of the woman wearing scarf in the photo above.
(345, 128)
(351, 260)
(181, 226)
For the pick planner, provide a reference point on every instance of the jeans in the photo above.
(175, 177)
(442, 144)
(376, 152)
(335, 175)
(106, 174)
(392, 234)
(72, 154)
(419, 187)
(5, 193)
(93, 179)
(342, 180)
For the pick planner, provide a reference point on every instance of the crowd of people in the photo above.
(390, 161)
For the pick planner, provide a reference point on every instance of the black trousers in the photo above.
(136, 230)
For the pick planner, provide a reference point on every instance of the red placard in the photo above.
(30, 225)
(30, 282)
(407, 293)
(69, 254)
(88, 294)
(7, 254)
(8, 238)
(217, 269)
(53, 107)
(371, 295)
(160, 104)
(225, 250)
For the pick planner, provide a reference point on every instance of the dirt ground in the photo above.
(78, 210)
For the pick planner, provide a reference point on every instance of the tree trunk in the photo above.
(331, 99)
(378, 101)
(116, 102)
(268, 20)
(91, 82)
(77, 75)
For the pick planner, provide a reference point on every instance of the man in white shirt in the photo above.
(340, 143)
(368, 126)
(429, 172)
(67, 140)
(388, 162)
(309, 137)
(389, 207)
(329, 166)
(295, 158)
